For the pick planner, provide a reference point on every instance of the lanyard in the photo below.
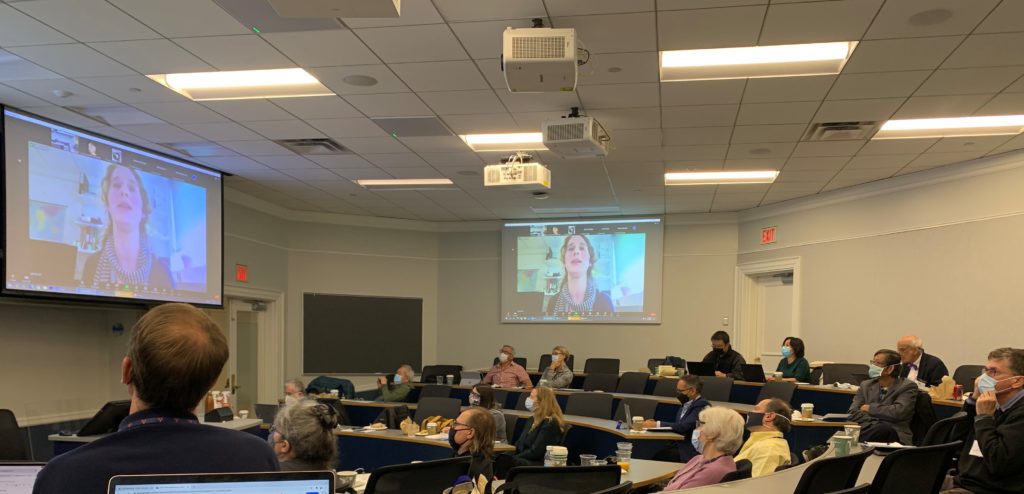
(157, 420)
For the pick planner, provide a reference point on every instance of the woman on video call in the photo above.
(578, 293)
(125, 256)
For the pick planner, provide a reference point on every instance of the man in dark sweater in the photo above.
(992, 461)
(728, 362)
(175, 354)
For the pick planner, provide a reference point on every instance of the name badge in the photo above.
(976, 450)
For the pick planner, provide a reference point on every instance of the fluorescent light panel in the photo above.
(951, 127)
(522, 141)
(715, 178)
(243, 84)
(406, 184)
(756, 61)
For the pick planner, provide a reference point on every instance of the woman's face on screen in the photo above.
(577, 256)
(124, 197)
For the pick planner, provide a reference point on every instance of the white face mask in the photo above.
(529, 404)
(503, 357)
(555, 357)
(290, 400)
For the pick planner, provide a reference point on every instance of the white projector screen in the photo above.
(582, 271)
(89, 217)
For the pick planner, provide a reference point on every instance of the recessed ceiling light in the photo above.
(243, 84)
(713, 178)
(406, 184)
(951, 127)
(755, 61)
(522, 141)
(930, 17)
(359, 80)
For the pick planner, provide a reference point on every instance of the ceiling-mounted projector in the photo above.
(539, 59)
(576, 137)
(518, 172)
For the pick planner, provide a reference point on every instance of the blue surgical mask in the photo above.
(474, 399)
(787, 351)
(397, 379)
(988, 383)
(695, 439)
(874, 371)
(529, 404)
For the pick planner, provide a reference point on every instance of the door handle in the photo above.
(234, 385)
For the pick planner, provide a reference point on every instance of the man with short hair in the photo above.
(993, 457)
(728, 362)
(688, 391)
(399, 387)
(767, 449)
(294, 391)
(884, 404)
(917, 365)
(175, 355)
(507, 373)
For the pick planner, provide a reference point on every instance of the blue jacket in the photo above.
(685, 424)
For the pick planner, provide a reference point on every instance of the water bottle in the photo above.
(548, 461)
(559, 456)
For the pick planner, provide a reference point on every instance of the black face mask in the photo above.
(719, 351)
(682, 398)
(451, 440)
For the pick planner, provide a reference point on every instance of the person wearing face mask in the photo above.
(399, 387)
(482, 396)
(884, 404)
(728, 362)
(558, 374)
(993, 457)
(544, 428)
(767, 449)
(719, 434)
(507, 373)
(688, 390)
(472, 435)
(793, 366)
(294, 391)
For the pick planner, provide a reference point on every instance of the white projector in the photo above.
(539, 59)
(524, 176)
(576, 137)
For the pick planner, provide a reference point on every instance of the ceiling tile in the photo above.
(760, 150)
(818, 22)
(233, 164)
(463, 102)
(363, 173)
(613, 33)
(46, 88)
(780, 89)
(702, 92)
(438, 144)
(286, 162)
(704, 4)
(535, 120)
(491, 68)
(973, 144)
(482, 123)
(697, 116)
(896, 19)
(1004, 104)
(311, 174)
(589, 7)
(182, 18)
(397, 160)
(857, 110)
(691, 136)
(619, 95)
(153, 56)
(709, 28)
(322, 48)
(987, 50)
(441, 76)
(256, 148)
(434, 42)
(754, 164)
(334, 78)
(941, 106)
(815, 176)
(413, 12)
(449, 160)
(244, 52)
(13, 97)
(73, 60)
(890, 161)
(637, 137)
(348, 127)
(222, 131)
(389, 105)
(15, 68)
(367, 145)
(815, 164)
(768, 133)
(901, 54)
(474, 10)
(629, 118)
(693, 153)
(248, 110)
(132, 89)
(830, 148)
(969, 81)
(284, 129)
(1004, 19)
(896, 146)
(931, 160)
(17, 29)
(341, 161)
(877, 85)
(317, 107)
(86, 20)
(69, 117)
(160, 133)
(531, 102)
(181, 112)
(776, 113)
(863, 175)
(483, 39)
(618, 68)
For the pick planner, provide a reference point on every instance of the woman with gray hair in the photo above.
(303, 436)
(718, 436)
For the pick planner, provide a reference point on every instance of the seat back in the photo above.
(597, 405)
(427, 477)
(12, 448)
(562, 480)
(448, 408)
(434, 373)
(511, 421)
(632, 383)
(519, 360)
(716, 388)
(435, 391)
(623, 488)
(639, 407)
(924, 417)
(843, 373)
(831, 474)
(777, 389)
(947, 430)
(966, 374)
(601, 366)
(545, 362)
(521, 401)
(816, 374)
(653, 363)
(860, 489)
(921, 469)
(744, 469)
(665, 386)
(601, 382)
(324, 384)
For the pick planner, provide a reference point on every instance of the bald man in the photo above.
(917, 365)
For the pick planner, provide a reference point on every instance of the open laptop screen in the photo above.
(235, 483)
(18, 478)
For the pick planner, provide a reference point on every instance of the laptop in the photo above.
(318, 482)
(18, 477)
(469, 378)
(700, 368)
(626, 414)
(754, 373)
(265, 412)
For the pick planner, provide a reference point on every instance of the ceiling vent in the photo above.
(841, 131)
(314, 147)
(412, 126)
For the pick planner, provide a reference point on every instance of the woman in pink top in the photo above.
(718, 436)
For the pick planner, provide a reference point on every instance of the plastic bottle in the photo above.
(548, 461)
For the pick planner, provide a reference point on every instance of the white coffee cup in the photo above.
(432, 428)
(346, 478)
(807, 411)
(243, 414)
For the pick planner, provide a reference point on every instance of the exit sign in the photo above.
(768, 235)
(242, 273)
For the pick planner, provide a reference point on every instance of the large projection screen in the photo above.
(89, 217)
(582, 271)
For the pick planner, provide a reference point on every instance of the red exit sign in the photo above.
(768, 235)
(242, 273)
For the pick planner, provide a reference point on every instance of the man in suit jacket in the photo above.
(917, 365)
(884, 404)
(688, 389)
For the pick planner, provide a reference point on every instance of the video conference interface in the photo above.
(88, 216)
(570, 271)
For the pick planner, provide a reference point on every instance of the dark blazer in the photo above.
(896, 408)
(684, 426)
(1001, 440)
(931, 371)
(532, 444)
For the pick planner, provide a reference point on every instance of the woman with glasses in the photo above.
(558, 374)
(719, 435)
(303, 436)
(472, 435)
(482, 395)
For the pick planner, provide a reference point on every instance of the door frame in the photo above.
(270, 354)
(748, 311)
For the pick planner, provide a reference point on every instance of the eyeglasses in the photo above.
(877, 364)
(270, 435)
(991, 371)
(465, 427)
